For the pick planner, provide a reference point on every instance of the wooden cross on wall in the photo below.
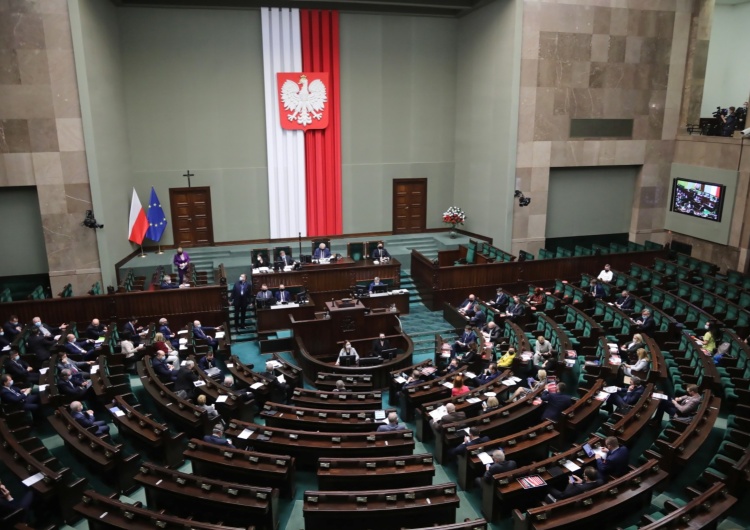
(188, 175)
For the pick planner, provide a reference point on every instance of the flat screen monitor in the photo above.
(370, 361)
(389, 353)
(346, 360)
(264, 303)
(695, 198)
(382, 288)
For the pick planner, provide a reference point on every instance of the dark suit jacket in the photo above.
(460, 449)
(616, 463)
(210, 438)
(241, 296)
(184, 381)
(372, 286)
(200, 333)
(164, 330)
(204, 364)
(171, 285)
(648, 326)
(283, 296)
(470, 310)
(264, 295)
(555, 404)
(71, 388)
(468, 338)
(377, 347)
(71, 349)
(574, 488)
(501, 301)
(162, 370)
(287, 259)
(4, 342)
(10, 330)
(626, 304)
(515, 310)
(94, 332)
(135, 337)
(325, 254)
(597, 291)
(8, 396)
(478, 319)
(496, 469)
(40, 346)
(631, 398)
(87, 421)
(19, 371)
(380, 253)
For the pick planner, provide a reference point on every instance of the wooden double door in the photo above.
(409, 205)
(192, 224)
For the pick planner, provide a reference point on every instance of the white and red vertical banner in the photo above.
(301, 72)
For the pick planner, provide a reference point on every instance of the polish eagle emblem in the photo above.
(303, 99)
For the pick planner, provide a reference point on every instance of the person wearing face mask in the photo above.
(40, 345)
(4, 342)
(242, 292)
(12, 328)
(77, 388)
(264, 297)
(81, 347)
(181, 261)
(162, 368)
(709, 338)
(13, 395)
(348, 351)
(95, 330)
(48, 331)
(167, 333)
(167, 283)
(22, 373)
(380, 253)
(282, 295)
(380, 344)
(77, 368)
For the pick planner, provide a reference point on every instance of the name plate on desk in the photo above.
(375, 295)
(284, 306)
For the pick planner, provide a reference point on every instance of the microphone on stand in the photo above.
(300, 245)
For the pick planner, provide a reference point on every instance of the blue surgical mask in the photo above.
(38, 324)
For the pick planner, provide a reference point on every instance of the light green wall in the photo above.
(488, 81)
(694, 226)
(193, 84)
(587, 201)
(100, 86)
(398, 114)
(22, 236)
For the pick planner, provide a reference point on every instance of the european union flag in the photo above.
(157, 221)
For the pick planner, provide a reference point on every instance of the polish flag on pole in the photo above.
(138, 223)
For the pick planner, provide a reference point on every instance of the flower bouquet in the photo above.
(454, 216)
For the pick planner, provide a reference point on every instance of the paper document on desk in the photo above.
(182, 332)
(400, 380)
(199, 382)
(438, 412)
(219, 334)
(256, 386)
(509, 382)
(222, 398)
(43, 388)
(448, 384)
(6, 348)
(274, 364)
(611, 389)
(183, 341)
(42, 371)
(183, 347)
(470, 375)
(245, 434)
(281, 379)
(473, 400)
(571, 466)
(602, 396)
(485, 458)
(33, 479)
(94, 368)
(657, 395)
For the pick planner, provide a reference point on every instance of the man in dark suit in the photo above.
(162, 368)
(4, 342)
(8, 504)
(185, 379)
(78, 389)
(168, 335)
(81, 347)
(576, 485)
(375, 283)
(489, 375)
(242, 292)
(491, 332)
(501, 300)
(467, 306)
(199, 332)
(596, 289)
(86, 419)
(12, 395)
(78, 369)
(264, 297)
(22, 373)
(380, 252)
(12, 328)
(555, 403)
(473, 438)
(628, 396)
(322, 252)
(283, 258)
(95, 330)
(646, 324)
(46, 330)
(40, 345)
(615, 459)
(380, 344)
(479, 318)
(625, 301)
(217, 437)
(466, 338)
(136, 331)
(167, 283)
(499, 465)
(515, 310)
(450, 416)
(282, 295)
(208, 361)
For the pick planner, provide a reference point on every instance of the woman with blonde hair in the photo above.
(629, 349)
(491, 404)
(162, 344)
(200, 402)
(642, 365)
(541, 381)
(459, 388)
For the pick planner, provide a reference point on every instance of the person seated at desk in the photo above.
(128, 345)
(9, 504)
(392, 425)
(12, 395)
(642, 365)
(136, 333)
(606, 274)
(167, 333)
(340, 386)
(537, 299)
(472, 356)
(415, 379)
(555, 403)
(78, 388)
(515, 310)
(615, 459)
(322, 252)
(534, 384)
(489, 375)
(284, 259)
(462, 344)
(542, 351)
(506, 359)
(162, 368)
(78, 369)
(86, 419)
(243, 391)
(630, 349)
(282, 295)
(211, 412)
(199, 332)
(163, 345)
(479, 318)
(167, 283)
(576, 485)
(466, 307)
(95, 330)
(491, 332)
(499, 465)
(264, 297)
(501, 300)
(83, 347)
(380, 344)
(217, 436)
(646, 324)
(46, 330)
(22, 373)
(184, 381)
(260, 262)
(450, 416)
(380, 253)
(207, 362)
(12, 328)
(181, 261)
(628, 396)
(348, 352)
(4, 342)
(684, 407)
(459, 388)
(625, 301)
(596, 289)
(490, 404)
(473, 438)
(375, 283)
(40, 345)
